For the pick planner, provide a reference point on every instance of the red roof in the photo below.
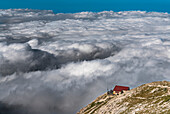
(120, 88)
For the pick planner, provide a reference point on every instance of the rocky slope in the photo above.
(148, 98)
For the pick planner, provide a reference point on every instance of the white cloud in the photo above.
(60, 62)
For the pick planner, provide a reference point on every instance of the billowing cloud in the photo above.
(58, 63)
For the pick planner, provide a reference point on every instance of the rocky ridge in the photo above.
(146, 99)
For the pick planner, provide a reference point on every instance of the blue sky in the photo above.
(71, 6)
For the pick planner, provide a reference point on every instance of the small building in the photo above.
(110, 92)
(120, 89)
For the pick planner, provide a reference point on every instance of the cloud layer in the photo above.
(57, 63)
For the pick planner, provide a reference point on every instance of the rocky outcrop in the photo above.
(148, 98)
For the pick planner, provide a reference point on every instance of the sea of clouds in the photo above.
(58, 63)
